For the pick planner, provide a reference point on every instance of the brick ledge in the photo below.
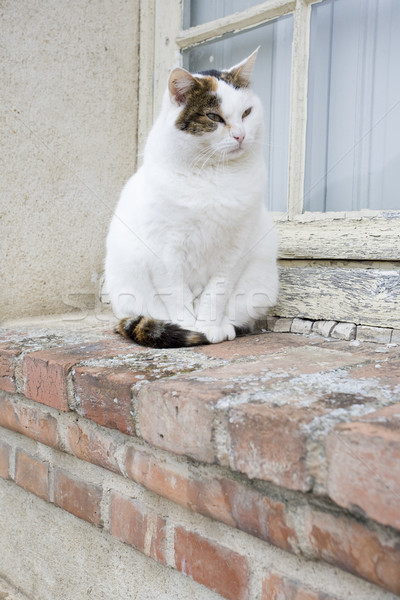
(292, 439)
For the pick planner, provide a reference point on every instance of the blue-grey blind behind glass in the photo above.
(197, 12)
(353, 126)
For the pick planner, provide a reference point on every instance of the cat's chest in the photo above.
(197, 223)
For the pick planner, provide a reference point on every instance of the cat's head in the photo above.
(216, 113)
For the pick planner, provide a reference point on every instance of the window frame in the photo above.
(366, 235)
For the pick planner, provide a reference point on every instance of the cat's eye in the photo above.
(246, 112)
(215, 117)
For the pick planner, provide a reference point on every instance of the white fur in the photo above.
(191, 241)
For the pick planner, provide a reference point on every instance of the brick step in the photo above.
(292, 439)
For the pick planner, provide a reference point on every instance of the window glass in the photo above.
(197, 12)
(353, 142)
(271, 81)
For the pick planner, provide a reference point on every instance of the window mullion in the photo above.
(298, 107)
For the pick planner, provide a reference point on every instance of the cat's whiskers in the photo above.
(205, 154)
(207, 159)
(221, 163)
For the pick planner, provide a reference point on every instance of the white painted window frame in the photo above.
(354, 235)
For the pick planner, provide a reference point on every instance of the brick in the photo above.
(283, 325)
(271, 322)
(30, 421)
(177, 415)
(324, 328)
(133, 524)
(78, 497)
(278, 587)
(350, 545)
(344, 331)
(262, 344)
(207, 562)
(92, 446)
(32, 475)
(374, 334)
(157, 476)
(45, 372)
(9, 353)
(396, 336)
(4, 460)
(270, 443)
(303, 326)
(104, 396)
(247, 509)
(364, 466)
(219, 498)
(383, 372)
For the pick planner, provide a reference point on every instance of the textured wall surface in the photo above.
(64, 557)
(68, 123)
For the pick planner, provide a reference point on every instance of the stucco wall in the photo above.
(68, 123)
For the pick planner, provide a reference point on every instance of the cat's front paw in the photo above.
(218, 333)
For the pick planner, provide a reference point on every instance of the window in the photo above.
(353, 149)
(329, 76)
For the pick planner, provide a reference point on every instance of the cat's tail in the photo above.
(159, 334)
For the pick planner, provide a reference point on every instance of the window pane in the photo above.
(353, 142)
(197, 12)
(271, 81)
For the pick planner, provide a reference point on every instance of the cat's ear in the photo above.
(241, 73)
(180, 84)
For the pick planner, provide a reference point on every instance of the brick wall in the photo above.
(266, 468)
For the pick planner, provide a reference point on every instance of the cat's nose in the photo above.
(238, 135)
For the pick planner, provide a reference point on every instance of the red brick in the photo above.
(30, 421)
(78, 497)
(45, 372)
(388, 373)
(350, 545)
(157, 476)
(177, 415)
(133, 524)
(93, 446)
(364, 466)
(207, 562)
(32, 475)
(275, 346)
(9, 352)
(4, 460)
(278, 587)
(271, 443)
(263, 344)
(244, 508)
(256, 514)
(222, 499)
(104, 396)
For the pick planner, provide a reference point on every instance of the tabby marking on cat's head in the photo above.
(199, 98)
(214, 106)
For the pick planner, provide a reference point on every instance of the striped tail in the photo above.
(159, 334)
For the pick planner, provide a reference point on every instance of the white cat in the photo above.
(191, 251)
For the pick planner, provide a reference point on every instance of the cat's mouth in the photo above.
(236, 150)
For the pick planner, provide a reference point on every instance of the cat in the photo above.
(191, 249)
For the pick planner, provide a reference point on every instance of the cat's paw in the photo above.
(218, 333)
